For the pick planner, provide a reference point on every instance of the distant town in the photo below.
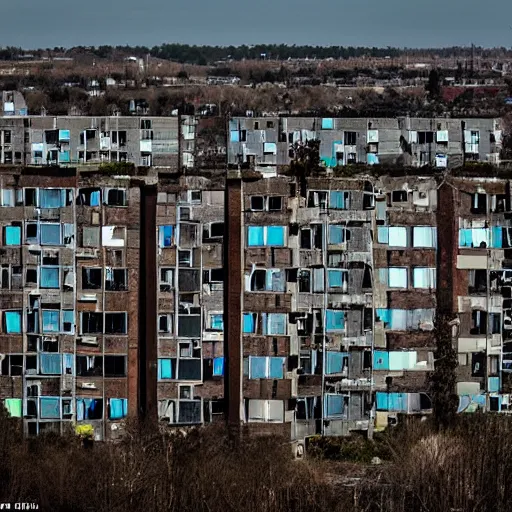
(282, 272)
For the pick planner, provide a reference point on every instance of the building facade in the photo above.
(206, 283)
(264, 143)
(78, 140)
(71, 281)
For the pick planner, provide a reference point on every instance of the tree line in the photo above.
(207, 54)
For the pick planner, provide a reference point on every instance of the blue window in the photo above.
(327, 123)
(336, 362)
(52, 198)
(335, 278)
(12, 322)
(255, 236)
(234, 136)
(50, 321)
(396, 402)
(50, 277)
(64, 135)
(372, 159)
(270, 148)
(266, 367)
(493, 384)
(89, 409)
(382, 235)
(277, 367)
(337, 234)
(334, 406)
(475, 237)
(50, 363)
(274, 323)
(335, 320)
(258, 236)
(257, 367)
(95, 198)
(50, 407)
(50, 234)
(217, 322)
(12, 235)
(164, 369)
(338, 200)
(218, 367)
(249, 323)
(68, 362)
(68, 321)
(118, 408)
(165, 236)
(64, 157)
(380, 360)
(275, 236)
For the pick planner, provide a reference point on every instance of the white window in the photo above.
(394, 236)
(115, 197)
(185, 349)
(373, 136)
(266, 411)
(186, 392)
(413, 137)
(113, 236)
(397, 277)
(424, 236)
(8, 197)
(274, 324)
(442, 136)
(424, 277)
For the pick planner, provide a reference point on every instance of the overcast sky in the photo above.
(411, 23)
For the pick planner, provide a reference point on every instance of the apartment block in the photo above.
(190, 223)
(74, 140)
(265, 143)
(71, 279)
(405, 258)
(306, 338)
(208, 284)
(478, 288)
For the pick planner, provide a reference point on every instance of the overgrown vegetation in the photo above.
(354, 448)
(467, 467)
(123, 168)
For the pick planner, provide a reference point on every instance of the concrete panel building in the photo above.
(476, 216)
(71, 281)
(75, 140)
(190, 223)
(264, 143)
(205, 283)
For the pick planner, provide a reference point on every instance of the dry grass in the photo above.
(465, 468)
